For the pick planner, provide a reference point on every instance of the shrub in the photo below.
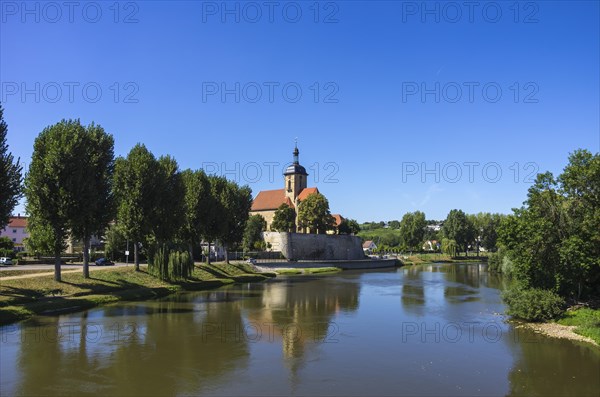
(533, 304)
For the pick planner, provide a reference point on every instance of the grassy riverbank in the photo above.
(586, 321)
(425, 259)
(24, 297)
(307, 270)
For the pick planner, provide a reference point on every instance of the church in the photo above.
(295, 190)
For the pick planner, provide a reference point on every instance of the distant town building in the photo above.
(16, 230)
(369, 246)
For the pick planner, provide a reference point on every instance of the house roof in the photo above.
(338, 219)
(307, 191)
(270, 200)
(367, 244)
(267, 200)
(18, 221)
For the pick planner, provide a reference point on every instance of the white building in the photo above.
(16, 230)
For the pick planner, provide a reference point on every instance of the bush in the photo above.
(533, 304)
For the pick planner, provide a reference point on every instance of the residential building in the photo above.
(16, 230)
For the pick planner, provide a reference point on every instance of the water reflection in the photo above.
(421, 330)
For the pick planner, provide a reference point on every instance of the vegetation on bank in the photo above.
(24, 297)
(307, 270)
(550, 247)
(586, 320)
(424, 259)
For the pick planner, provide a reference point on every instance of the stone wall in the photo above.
(299, 246)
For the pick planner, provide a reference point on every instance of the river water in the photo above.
(421, 330)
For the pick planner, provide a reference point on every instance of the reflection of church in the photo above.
(295, 190)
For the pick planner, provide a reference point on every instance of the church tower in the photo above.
(295, 177)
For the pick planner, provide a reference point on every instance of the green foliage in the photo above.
(6, 243)
(349, 226)
(587, 322)
(7, 252)
(171, 265)
(197, 205)
(459, 228)
(284, 219)
(137, 181)
(11, 178)
(314, 214)
(168, 215)
(449, 247)
(412, 230)
(94, 208)
(235, 202)
(554, 239)
(389, 237)
(255, 225)
(532, 304)
(56, 185)
(500, 262)
(115, 243)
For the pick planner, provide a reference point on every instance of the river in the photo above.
(420, 330)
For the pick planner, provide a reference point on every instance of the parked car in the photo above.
(104, 262)
(5, 261)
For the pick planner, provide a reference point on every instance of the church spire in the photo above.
(296, 153)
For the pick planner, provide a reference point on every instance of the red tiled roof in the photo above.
(367, 244)
(17, 222)
(270, 200)
(338, 219)
(307, 191)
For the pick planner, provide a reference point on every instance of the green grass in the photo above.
(22, 298)
(10, 273)
(307, 270)
(586, 320)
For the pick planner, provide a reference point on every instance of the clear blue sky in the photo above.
(366, 133)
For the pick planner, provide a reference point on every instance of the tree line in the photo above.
(76, 188)
(551, 244)
(459, 232)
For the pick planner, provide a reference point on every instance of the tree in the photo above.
(255, 225)
(137, 178)
(314, 214)
(197, 206)
(236, 201)
(11, 178)
(284, 219)
(55, 183)
(94, 208)
(554, 239)
(115, 242)
(349, 226)
(170, 202)
(394, 224)
(214, 227)
(459, 228)
(412, 230)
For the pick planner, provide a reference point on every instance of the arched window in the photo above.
(289, 185)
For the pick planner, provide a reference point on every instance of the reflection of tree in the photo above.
(413, 293)
(147, 349)
(554, 367)
(38, 348)
(301, 311)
